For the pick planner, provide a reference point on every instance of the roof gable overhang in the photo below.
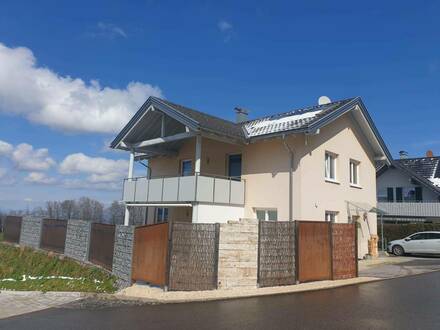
(153, 104)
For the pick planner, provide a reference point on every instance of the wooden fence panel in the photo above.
(276, 253)
(314, 251)
(53, 235)
(102, 244)
(194, 256)
(12, 229)
(150, 254)
(344, 250)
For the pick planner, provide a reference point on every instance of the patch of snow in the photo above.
(435, 181)
(30, 278)
(287, 119)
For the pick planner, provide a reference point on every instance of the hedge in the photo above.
(399, 231)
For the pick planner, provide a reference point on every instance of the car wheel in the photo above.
(398, 250)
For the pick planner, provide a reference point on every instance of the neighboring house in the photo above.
(409, 189)
(315, 163)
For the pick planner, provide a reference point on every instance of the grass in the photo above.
(18, 264)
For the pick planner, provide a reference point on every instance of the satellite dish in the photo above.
(324, 100)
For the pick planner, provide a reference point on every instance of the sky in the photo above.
(72, 73)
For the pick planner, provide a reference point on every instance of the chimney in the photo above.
(429, 153)
(403, 154)
(241, 115)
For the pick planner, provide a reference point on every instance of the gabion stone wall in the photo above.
(123, 252)
(77, 240)
(30, 234)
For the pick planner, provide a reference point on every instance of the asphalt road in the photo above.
(404, 303)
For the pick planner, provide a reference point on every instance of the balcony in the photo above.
(410, 209)
(185, 189)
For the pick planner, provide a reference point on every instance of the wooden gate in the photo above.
(150, 254)
(314, 251)
(53, 235)
(102, 244)
(12, 229)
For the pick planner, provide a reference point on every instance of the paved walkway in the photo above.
(391, 267)
(15, 303)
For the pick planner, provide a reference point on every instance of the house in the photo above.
(408, 190)
(315, 163)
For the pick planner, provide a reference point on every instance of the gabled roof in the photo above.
(425, 170)
(303, 120)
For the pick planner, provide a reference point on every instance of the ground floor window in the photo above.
(331, 216)
(267, 214)
(161, 214)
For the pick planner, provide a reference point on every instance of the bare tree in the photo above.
(116, 213)
(138, 215)
(68, 209)
(90, 209)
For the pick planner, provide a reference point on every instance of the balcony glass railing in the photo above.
(195, 188)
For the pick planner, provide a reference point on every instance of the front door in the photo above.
(234, 166)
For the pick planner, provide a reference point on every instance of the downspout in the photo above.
(290, 151)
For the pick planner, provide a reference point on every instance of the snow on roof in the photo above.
(435, 181)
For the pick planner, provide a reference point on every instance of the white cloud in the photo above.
(99, 169)
(38, 177)
(84, 184)
(109, 30)
(224, 26)
(5, 148)
(61, 102)
(27, 158)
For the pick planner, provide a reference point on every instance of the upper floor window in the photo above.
(234, 166)
(330, 166)
(186, 167)
(354, 172)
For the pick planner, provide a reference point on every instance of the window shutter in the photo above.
(390, 195)
(399, 194)
(419, 195)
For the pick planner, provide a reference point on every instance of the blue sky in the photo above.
(266, 56)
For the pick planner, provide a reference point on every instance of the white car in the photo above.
(426, 242)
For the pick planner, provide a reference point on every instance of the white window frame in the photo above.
(354, 169)
(266, 213)
(163, 218)
(328, 167)
(331, 214)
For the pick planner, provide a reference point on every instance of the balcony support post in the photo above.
(198, 154)
(130, 176)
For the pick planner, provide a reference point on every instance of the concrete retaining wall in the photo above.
(123, 252)
(30, 234)
(238, 254)
(77, 240)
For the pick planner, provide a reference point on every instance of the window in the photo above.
(186, 167)
(383, 195)
(331, 216)
(417, 237)
(161, 214)
(354, 172)
(330, 166)
(267, 214)
(434, 236)
(234, 166)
